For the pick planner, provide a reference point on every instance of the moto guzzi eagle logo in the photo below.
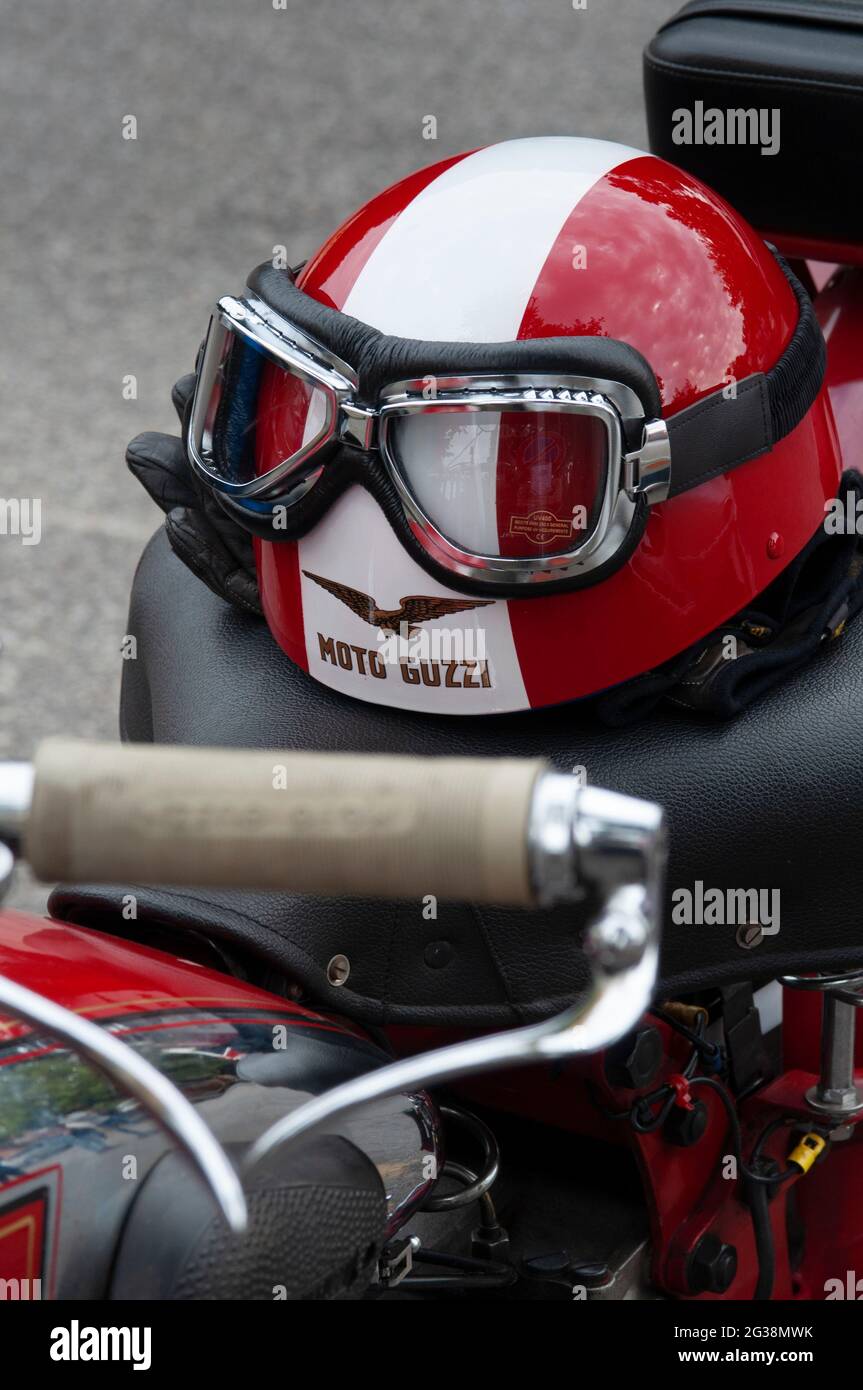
(461, 669)
(414, 608)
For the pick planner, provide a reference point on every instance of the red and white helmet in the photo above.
(574, 240)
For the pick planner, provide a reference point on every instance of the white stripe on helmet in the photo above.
(458, 264)
(355, 546)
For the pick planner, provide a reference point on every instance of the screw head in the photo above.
(338, 970)
(749, 936)
(634, 1061)
(617, 942)
(437, 954)
(775, 546)
(712, 1266)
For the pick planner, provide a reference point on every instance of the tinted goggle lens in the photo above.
(510, 483)
(257, 417)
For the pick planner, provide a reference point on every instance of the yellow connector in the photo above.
(811, 1146)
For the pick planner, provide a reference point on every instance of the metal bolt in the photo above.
(437, 954)
(775, 546)
(836, 1093)
(617, 942)
(338, 970)
(635, 1060)
(749, 936)
(712, 1266)
(489, 1243)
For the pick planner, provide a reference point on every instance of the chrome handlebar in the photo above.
(579, 839)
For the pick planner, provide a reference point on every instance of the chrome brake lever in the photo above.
(582, 838)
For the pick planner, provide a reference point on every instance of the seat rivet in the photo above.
(775, 546)
(338, 970)
(437, 954)
(749, 936)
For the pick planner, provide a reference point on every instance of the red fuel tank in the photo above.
(74, 1152)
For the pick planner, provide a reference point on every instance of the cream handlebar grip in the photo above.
(319, 823)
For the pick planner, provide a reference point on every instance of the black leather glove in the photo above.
(200, 532)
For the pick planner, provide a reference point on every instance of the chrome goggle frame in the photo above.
(347, 420)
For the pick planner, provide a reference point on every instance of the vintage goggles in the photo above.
(503, 467)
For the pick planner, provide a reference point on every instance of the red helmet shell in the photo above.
(546, 237)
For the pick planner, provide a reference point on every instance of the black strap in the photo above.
(717, 433)
(733, 425)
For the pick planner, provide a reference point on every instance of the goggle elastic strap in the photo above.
(746, 418)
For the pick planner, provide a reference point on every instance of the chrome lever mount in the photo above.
(580, 839)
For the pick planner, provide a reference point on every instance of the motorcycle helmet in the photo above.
(530, 425)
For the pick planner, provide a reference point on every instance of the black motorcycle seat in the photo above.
(800, 58)
(772, 801)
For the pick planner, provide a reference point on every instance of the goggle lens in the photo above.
(292, 417)
(511, 483)
(259, 415)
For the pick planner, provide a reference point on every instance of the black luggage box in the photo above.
(798, 66)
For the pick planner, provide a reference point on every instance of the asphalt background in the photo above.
(256, 127)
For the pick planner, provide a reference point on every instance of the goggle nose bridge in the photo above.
(358, 425)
